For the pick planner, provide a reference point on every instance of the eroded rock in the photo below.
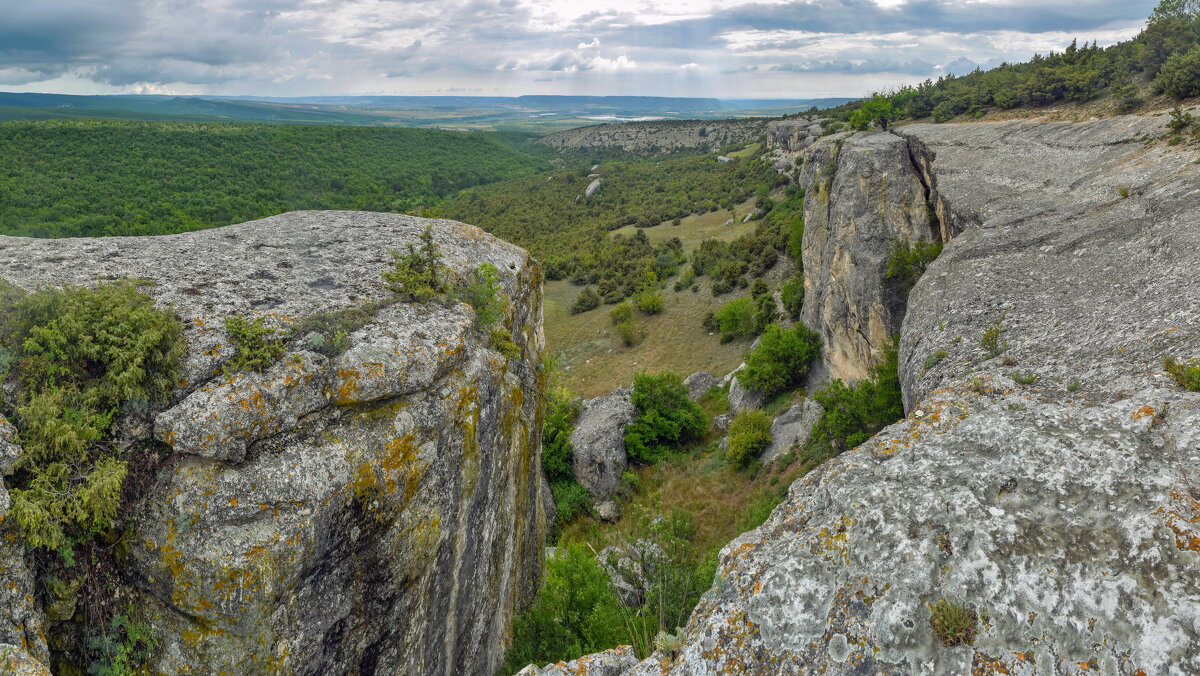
(698, 384)
(792, 428)
(598, 443)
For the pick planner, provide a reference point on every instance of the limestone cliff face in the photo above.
(1063, 511)
(659, 136)
(375, 512)
(862, 195)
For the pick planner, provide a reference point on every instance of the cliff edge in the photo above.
(372, 509)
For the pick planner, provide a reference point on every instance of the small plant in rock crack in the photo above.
(990, 341)
(1074, 386)
(417, 276)
(953, 624)
(935, 359)
(1025, 379)
(1187, 375)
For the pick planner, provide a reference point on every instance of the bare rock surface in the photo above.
(742, 398)
(612, 662)
(378, 512)
(791, 428)
(1062, 512)
(598, 443)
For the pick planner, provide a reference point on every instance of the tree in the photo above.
(1175, 9)
(1180, 75)
(588, 300)
(666, 417)
(877, 109)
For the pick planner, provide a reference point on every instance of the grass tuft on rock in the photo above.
(953, 624)
(1187, 375)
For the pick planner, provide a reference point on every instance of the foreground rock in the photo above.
(380, 511)
(1062, 513)
(608, 663)
(598, 443)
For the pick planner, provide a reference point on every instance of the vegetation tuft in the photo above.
(256, 346)
(1186, 374)
(749, 435)
(907, 261)
(953, 624)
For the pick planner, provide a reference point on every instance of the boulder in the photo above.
(608, 511)
(792, 428)
(611, 662)
(721, 422)
(598, 443)
(378, 511)
(593, 187)
(630, 567)
(723, 159)
(699, 383)
(742, 398)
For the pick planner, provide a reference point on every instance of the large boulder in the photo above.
(699, 383)
(792, 428)
(378, 511)
(1060, 513)
(742, 398)
(598, 443)
(863, 194)
(631, 567)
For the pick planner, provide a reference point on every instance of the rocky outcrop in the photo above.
(378, 511)
(612, 662)
(598, 443)
(863, 195)
(742, 398)
(659, 135)
(22, 620)
(630, 566)
(792, 428)
(699, 383)
(1060, 512)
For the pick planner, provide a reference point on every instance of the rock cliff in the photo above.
(1043, 482)
(659, 136)
(376, 511)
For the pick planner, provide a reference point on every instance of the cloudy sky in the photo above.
(724, 48)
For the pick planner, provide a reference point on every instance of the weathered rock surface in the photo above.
(660, 135)
(379, 512)
(611, 662)
(742, 398)
(862, 195)
(793, 427)
(630, 566)
(1067, 518)
(598, 443)
(699, 383)
(22, 638)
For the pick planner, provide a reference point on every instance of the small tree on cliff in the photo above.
(877, 109)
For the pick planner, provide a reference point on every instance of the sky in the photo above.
(704, 48)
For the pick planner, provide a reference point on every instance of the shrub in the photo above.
(500, 340)
(83, 353)
(944, 112)
(576, 613)
(765, 312)
(710, 322)
(792, 295)
(629, 332)
(256, 347)
(854, 413)
(587, 300)
(1180, 120)
(650, 302)
(781, 359)
(990, 340)
(759, 288)
(483, 292)
(749, 434)
(953, 624)
(1187, 375)
(416, 276)
(622, 312)
(907, 261)
(557, 426)
(1180, 75)
(736, 319)
(666, 417)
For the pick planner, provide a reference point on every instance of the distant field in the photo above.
(698, 227)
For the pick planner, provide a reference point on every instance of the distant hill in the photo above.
(536, 113)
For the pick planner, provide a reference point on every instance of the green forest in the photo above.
(1162, 60)
(85, 178)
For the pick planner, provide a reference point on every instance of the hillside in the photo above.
(86, 178)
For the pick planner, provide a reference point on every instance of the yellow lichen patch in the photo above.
(1183, 518)
(833, 543)
(1145, 411)
(346, 386)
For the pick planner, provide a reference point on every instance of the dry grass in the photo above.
(594, 361)
(698, 227)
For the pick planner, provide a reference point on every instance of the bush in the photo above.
(666, 417)
(855, 413)
(907, 261)
(792, 295)
(953, 624)
(1180, 120)
(587, 300)
(83, 353)
(736, 319)
(416, 276)
(257, 347)
(781, 359)
(623, 312)
(765, 312)
(1187, 375)
(990, 341)
(576, 613)
(710, 322)
(484, 293)
(749, 434)
(1180, 75)
(557, 426)
(650, 302)
(629, 332)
